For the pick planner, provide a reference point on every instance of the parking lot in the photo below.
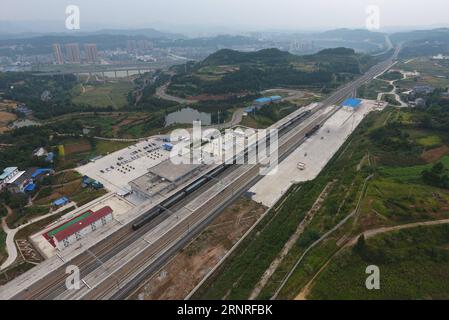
(116, 170)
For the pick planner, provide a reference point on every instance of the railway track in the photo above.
(53, 285)
(331, 100)
(148, 255)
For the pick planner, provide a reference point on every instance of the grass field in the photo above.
(408, 174)
(371, 90)
(430, 141)
(266, 117)
(433, 73)
(81, 149)
(103, 95)
(395, 195)
(427, 66)
(391, 76)
(123, 125)
(238, 276)
(396, 202)
(413, 265)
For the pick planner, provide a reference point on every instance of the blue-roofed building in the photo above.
(61, 202)
(352, 103)
(21, 180)
(275, 98)
(91, 183)
(50, 157)
(258, 103)
(262, 101)
(40, 172)
(167, 146)
(30, 187)
(250, 109)
(23, 109)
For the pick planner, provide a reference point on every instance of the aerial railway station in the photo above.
(152, 245)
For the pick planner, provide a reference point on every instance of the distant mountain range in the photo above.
(147, 32)
(360, 40)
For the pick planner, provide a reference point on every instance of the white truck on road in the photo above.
(301, 166)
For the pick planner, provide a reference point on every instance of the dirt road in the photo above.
(368, 234)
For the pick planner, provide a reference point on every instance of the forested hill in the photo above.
(228, 71)
(270, 56)
(230, 57)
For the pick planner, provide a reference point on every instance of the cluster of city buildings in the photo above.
(73, 53)
(134, 46)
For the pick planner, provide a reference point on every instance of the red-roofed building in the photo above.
(76, 231)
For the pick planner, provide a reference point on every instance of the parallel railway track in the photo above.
(53, 285)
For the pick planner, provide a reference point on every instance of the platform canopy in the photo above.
(352, 103)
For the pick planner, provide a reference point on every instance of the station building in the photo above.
(164, 178)
(75, 229)
(352, 104)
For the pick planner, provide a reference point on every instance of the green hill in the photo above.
(423, 42)
(228, 71)
(230, 57)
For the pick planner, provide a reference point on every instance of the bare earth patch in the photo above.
(435, 154)
(5, 119)
(181, 274)
(82, 146)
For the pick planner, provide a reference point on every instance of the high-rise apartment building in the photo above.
(73, 53)
(57, 51)
(91, 52)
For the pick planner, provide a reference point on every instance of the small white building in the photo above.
(9, 175)
(40, 152)
(73, 232)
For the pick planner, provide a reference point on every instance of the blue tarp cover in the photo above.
(30, 187)
(263, 100)
(38, 172)
(354, 103)
(61, 201)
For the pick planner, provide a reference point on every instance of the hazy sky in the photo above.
(251, 14)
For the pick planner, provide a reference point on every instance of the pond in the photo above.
(187, 116)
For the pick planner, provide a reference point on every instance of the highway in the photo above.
(119, 279)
